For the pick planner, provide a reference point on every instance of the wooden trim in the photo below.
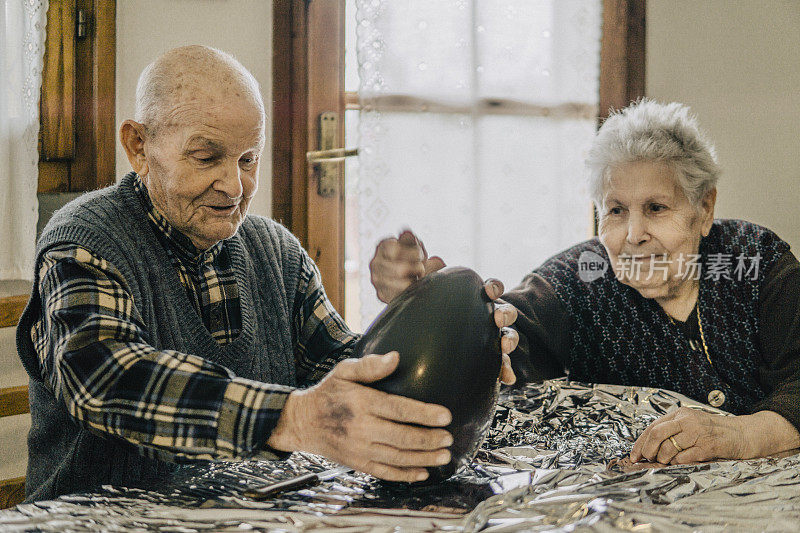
(104, 65)
(299, 122)
(12, 492)
(351, 101)
(11, 308)
(57, 104)
(325, 71)
(14, 401)
(283, 62)
(622, 54)
(399, 103)
(289, 116)
(308, 38)
(622, 58)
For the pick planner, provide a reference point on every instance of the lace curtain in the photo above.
(476, 118)
(22, 36)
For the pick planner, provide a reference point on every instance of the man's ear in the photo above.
(131, 135)
(707, 204)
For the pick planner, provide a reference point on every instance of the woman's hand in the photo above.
(505, 314)
(690, 436)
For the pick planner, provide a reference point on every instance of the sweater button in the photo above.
(716, 398)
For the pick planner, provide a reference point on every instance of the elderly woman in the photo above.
(705, 307)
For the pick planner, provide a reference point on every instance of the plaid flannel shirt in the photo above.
(173, 406)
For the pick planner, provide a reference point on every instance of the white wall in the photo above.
(737, 64)
(147, 28)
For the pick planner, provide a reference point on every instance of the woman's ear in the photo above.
(707, 204)
(131, 135)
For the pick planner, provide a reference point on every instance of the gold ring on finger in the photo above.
(672, 440)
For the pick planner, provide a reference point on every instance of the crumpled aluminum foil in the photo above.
(551, 462)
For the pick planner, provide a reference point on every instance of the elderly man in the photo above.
(166, 325)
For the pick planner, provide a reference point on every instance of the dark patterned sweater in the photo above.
(604, 331)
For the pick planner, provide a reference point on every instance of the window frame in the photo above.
(622, 80)
(77, 134)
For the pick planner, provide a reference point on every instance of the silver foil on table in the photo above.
(549, 463)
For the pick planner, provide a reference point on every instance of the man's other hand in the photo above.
(399, 262)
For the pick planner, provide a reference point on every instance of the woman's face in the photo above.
(650, 229)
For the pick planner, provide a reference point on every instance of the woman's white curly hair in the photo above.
(651, 131)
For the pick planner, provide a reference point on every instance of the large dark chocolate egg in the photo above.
(443, 327)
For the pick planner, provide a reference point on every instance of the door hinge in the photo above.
(82, 24)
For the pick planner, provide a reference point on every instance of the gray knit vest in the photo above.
(64, 457)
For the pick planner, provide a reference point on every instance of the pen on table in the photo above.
(298, 482)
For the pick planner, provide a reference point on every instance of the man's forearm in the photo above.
(229, 417)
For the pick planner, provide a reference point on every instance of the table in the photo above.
(549, 463)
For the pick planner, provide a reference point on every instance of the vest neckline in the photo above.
(177, 293)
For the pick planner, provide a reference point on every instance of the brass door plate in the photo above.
(328, 171)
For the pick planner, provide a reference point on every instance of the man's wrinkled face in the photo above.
(203, 165)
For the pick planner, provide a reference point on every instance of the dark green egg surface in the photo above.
(444, 329)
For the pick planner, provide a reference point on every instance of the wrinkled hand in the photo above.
(390, 437)
(699, 436)
(399, 262)
(690, 436)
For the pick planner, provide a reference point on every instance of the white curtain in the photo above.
(22, 36)
(496, 191)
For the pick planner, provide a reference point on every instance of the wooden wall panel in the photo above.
(104, 74)
(11, 308)
(622, 54)
(78, 125)
(57, 132)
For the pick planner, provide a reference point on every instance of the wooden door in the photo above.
(308, 84)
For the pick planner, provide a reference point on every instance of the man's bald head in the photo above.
(191, 75)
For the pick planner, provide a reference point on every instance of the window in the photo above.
(416, 126)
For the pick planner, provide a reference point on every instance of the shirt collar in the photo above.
(178, 243)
